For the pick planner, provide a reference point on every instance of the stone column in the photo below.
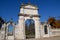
(49, 30)
(21, 28)
(37, 28)
(0, 35)
(3, 31)
(7, 32)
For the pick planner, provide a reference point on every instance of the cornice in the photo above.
(27, 15)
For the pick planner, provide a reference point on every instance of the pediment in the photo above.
(30, 6)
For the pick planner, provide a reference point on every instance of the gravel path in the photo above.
(50, 38)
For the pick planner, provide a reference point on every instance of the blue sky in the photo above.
(10, 8)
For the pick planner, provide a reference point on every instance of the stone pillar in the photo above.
(37, 28)
(3, 31)
(49, 30)
(21, 28)
(7, 32)
(0, 35)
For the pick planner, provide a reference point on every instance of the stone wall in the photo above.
(55, 32)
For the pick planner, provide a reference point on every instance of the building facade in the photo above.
(12, 31)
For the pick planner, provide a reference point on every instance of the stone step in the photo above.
(10, 38)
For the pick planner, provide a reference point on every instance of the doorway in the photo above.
(30, 28)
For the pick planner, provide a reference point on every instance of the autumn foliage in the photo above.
(54, 23)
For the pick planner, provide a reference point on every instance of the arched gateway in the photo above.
(28, 18)
(28, 11)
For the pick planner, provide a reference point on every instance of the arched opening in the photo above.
(10, 30)
(0, 25)
(30, 28)
(45, 29)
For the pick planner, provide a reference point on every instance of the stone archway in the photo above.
(21, 27)
(10, 31)
(28, 11)
(46, 29)
(30, 28)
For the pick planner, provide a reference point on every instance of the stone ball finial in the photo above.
(22, 4)
(11, 20)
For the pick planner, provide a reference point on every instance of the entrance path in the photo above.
(50, 38)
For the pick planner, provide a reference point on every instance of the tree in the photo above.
(51, 21)
(1, 22)
(54, 23)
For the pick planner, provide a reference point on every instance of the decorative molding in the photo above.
(27, 15)
(28, 4)
(30, 8)
(23, 6)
